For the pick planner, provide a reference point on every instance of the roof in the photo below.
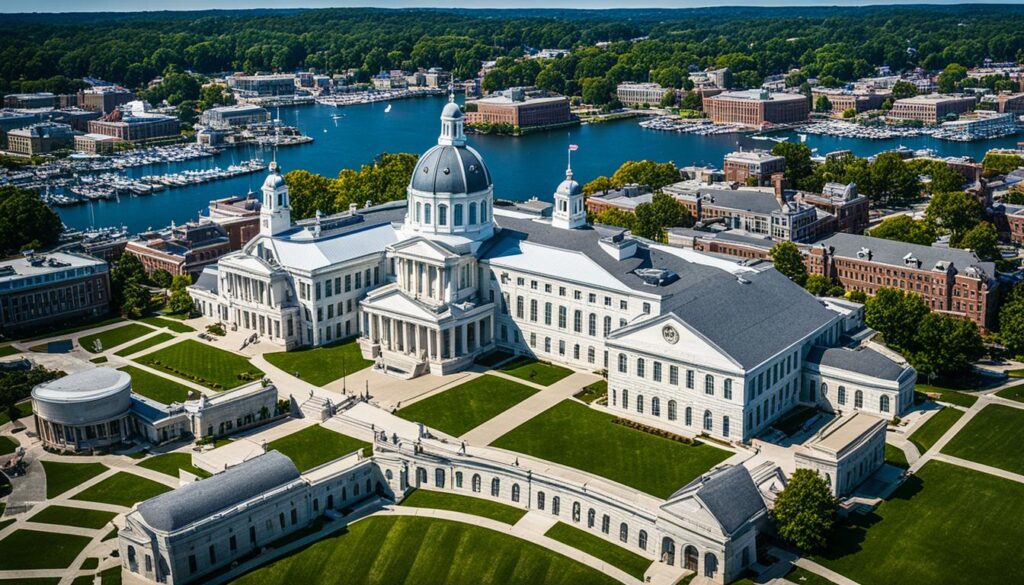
(757, 95)
(207, 279)
(843, 431)
(450, 169)
(181, 507)
(741, 199)
(46, 264)
(728, 493)
(863, 361)
(86, 385)
(893, 252)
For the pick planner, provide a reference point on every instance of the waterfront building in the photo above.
(234, 116)
(77, 118)
(239, 216)
(847, 450)
(43, 99)
(625, 198)
(437, 77)
(133, 123)
(515, 108)
(11, 119)
(980, 124)
(856, 100)
(759, 165)
(1012, 103)
(38, 290)
(712, 78)
(253, 86)
(930, 108)
(756, 108)
(385, 81)
(96, 143)
(181, 249)
(636, 94)
(104, 99)
(40, 138)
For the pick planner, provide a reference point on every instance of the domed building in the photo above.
(84, 411)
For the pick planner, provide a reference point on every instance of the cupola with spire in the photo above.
(275, 212)
(570, 211)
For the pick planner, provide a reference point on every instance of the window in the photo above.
(562, 317)
(540, 500)
(625, 398)
(689, 379)
(623, 532)
(688, 416)
(641, 540)
(533, 309)
(547, 313)
(607, 326)
(439, 478)
(577, 321)
(591, 516)
(556, 505)
(709, 384)
(495, 487)
(592, 325)
(476, 482)
(472, 213)
(673, 375)
(657, 372)
(515, 492)
(575, 511)
(842, 395)
(708, 421)
(671, 410)
(457, 215)
(213, 555)
(640, 403)
(655, 406)
(727, 388)
(606, 523)
(640, 367)
(442, 214)
(883, 404)
(458, 479)
(591, 354)
(519, 307)
(725, 426)
(622, 363)
(426, 214)
(623, 305)
(858, 399)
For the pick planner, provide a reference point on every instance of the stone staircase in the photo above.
(402, 365)
(317, 408)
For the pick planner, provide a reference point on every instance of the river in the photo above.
(522, 167)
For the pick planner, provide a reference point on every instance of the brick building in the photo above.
(842, 201)
(626, 198)
(520, 111)
(931, 108)
(41, 138)
(39, 290)
(759, 164)
(756, 108)
(239, 216)
(182, 249)
(104, 99)
(135, 125)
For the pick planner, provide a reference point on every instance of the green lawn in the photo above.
(45, 347)
(593, 391)
(113, 337)
(156, 387)
(7, 349)
(932, 430)
(946, 524)
(99, 360)
(386, 550)
(31, 549)
(466, 406)
(895, 456)
(25, 408)
(48, 332)
(573, 434)
(1015, 392)
(66, 516)
(204, 364)
(528, 368)
(613, 554)
(170, 463)
(7, 445)
(90, 564)
(993, 437)
(493, 357)
(321, 365)
(144, 344)
(122, 489)
(60, 477)
(802, 576)
(316, 445)
(176, 326)
(458, 503)
(948, 395)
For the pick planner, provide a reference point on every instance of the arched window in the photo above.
(708, 420)
(418, 207)
(824, 389)
(709, 384)
(858, 399)
(655, 406)
(458, 479)
(671, 410)
(439, 477)
(725, 426)
(442, 214)
(426, 213)
(727, 388)
(592, 325)
(389, 475)
(591, 518)
(688, 416)
(641, 539)
(483, 212)
(606, 524)
(472, 213)
(421, 476)
(607, 326)
(883, 404)
(577, 321)
(842, 395)
(622, 363)
(457, 214)
(625, 398)
(640, 403)
(640, 367)
(540, 500)
(591, 355)
(476, 482)
(495, 487)
(623, 532)
(556, 505)
(515, 492)
(575, 511)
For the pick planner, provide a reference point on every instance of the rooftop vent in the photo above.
(656, 276)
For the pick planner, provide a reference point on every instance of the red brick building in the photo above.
(541, 111)
(184, 249)
(756, 108)
(760, 164)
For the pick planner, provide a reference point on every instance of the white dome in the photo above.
(274, 180)
(451, 110)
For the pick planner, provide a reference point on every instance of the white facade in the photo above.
(846, 451)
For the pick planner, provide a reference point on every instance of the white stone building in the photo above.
(846, 451)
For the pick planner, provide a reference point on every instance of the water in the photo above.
(523, 167)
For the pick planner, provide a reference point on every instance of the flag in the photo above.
(573, 147)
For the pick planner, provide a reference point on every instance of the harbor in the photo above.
(374, 96)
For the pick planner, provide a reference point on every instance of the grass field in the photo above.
(802, 576)
(60, 477)
(614, 555)
(467, 504)
(31, 549)
(895, 456)
(464, 407)
(422, 550)
(144, 344)
(170, 463)
(315, 446)
(932, 430)
(66, 516)
(122, 489)
(176, 326)
(7, 349)
(528, 368)
(593, 391)
(25, 408)
(917, 536)
(948, 395)
(1012, 393)
(48, 332)
(321, 365)
(493, 357)
(156, 387)
(204, 364)
(7, 445)
(113, 337)
(575, 435)
(993, 437)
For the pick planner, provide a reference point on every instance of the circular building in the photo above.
(84, 411)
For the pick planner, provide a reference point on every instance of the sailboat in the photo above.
(387, 108)
(803, 137)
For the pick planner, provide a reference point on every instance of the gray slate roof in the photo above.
(741, 199)
(892, 252)
(728, 493)
(179, 508)
(207, 279)
(450, 169)
(864, 361)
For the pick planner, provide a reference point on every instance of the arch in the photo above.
(515, 492)
(841, 395)
(330, 501)
(426, 213)
(495, 487)
(824, 389)
(655, 406)
(472, 213)
(858, 399)
(606, 523)
(641, 539)
(709, 384)
(688, 416)
(640, 403)
(556, 505)
(457, 214)
(540, 500)
(725, 426)
(710, 565)
(591, 517)
(727, 388)
(708, 420)
(419, 208)
(640, 367)
(671, 410)
(575, 511)
(668, 551)
(623, 532)
(389, 475)
(421, 476)
(883, 403)
(622, 363)
(691, 558)
(439, 477)
(625, 398)
(483, 212)
(476, 482)
(458, 479)
(442, 214)
(592, 325)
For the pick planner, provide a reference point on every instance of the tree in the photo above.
(16, 385)
(788, 260)
(668, 100)
(26, 220)
(161, 278)
(996, 163)
(647, 173)
(309, 192)
(891, 180)
(849, 113)
(946, 346)
(983, 239)
(822, 104)
(805, 510)
(903, 228)
(128, 273)
(895, 314)
(798, 161)
(1011, 323)
(215, 94)
(601, 184)
(903, 89)
(616, 217)
(180, 301)
(662, 212)
(950, 78)
(819, 285)
(954, 213)
(134, 300)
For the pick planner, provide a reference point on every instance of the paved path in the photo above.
(811, 566)
(979, 467)
(549, 396)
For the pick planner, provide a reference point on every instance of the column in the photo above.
(451, 342)
(465, 338)
(433, 343)
(480, 333)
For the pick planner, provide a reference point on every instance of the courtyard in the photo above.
(458, 410)
(321, 365)
(316, 445)
(203, 364)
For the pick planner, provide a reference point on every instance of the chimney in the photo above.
(352, 207)
(779, 183)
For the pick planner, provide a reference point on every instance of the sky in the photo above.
(134, 5)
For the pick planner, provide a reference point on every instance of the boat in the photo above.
(387, 108)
